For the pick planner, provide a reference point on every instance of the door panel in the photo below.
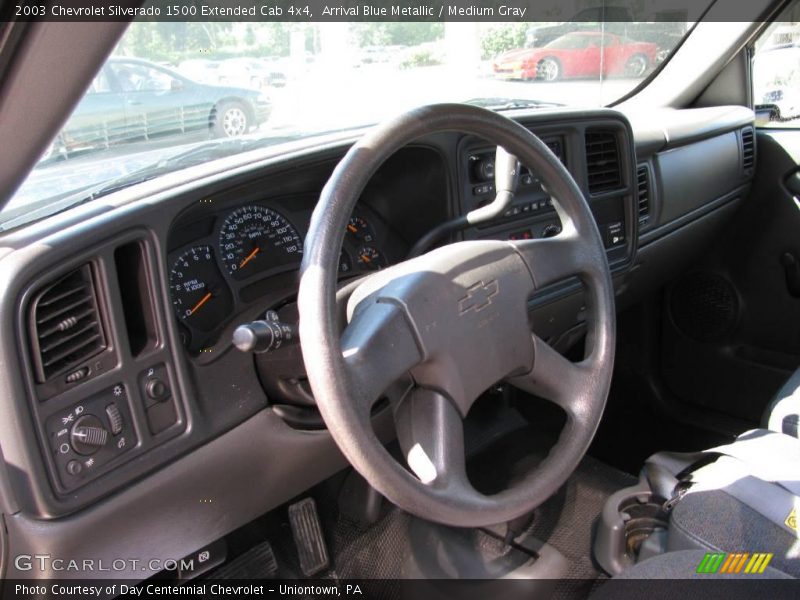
(732, 323)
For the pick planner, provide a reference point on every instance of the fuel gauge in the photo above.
(358, 228)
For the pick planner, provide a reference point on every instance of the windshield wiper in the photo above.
(500, 104)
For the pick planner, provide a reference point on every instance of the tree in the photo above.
(502, 38)
(399, 33)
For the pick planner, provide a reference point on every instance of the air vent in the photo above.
(65, 324)
(748, 149)
(602, 161)
(643, 194)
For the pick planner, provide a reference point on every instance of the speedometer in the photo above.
(255, 239)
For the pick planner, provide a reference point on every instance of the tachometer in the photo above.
(256, 238)
(200, 297)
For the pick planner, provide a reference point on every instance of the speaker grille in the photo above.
(704, 306)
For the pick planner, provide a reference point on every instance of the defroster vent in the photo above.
(65, 324)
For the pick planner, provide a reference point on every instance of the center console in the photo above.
(599, 155)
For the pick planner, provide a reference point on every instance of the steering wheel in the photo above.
(455, 319)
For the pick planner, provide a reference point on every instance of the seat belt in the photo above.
(771, 485)
(769, 456)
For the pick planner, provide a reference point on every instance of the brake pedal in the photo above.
(307, 533)
(257, 563)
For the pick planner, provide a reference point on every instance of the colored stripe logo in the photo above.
(734, 563)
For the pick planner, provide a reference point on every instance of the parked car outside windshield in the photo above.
(134, 99)
(580, 54)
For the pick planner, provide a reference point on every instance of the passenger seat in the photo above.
(741, 497)
(783, 413)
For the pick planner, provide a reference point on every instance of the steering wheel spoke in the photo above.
(557, 258)
(556, 378)
(378, 347)
(431, 434)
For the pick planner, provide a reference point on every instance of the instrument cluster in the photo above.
(212, 277)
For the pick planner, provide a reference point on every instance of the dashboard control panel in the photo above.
(97, 315)
(532, 213)
(531, 200)
(85, 439)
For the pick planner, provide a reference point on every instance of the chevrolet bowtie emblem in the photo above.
(478, 297)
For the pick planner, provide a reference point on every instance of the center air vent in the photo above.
(748, 149)
(643, 194)
(602, 161)
(65, 324)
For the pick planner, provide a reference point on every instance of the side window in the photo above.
(776, 71)
(140, 78)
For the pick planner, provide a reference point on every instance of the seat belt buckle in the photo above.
(680, 491)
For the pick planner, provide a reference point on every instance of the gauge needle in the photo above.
(365, 258)
(250, 257)
(203, 300)
(352, 228)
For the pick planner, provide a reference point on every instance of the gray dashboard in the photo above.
(214, 437)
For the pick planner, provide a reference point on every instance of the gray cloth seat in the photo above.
(783, 413)
(739, 498)
(744, 501)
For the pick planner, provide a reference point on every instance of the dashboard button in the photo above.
(114, 418)
(157, 390)
(154, 385)
(615, 234)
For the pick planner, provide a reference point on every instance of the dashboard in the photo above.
(123, 310)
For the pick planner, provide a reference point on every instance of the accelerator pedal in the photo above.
(307, 533)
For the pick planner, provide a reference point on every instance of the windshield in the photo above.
(171, 88)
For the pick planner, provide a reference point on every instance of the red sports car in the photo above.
(578, 54)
